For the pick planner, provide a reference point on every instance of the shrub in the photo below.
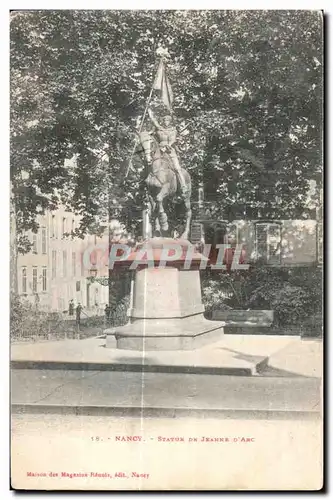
(26, 320)
(295, 294)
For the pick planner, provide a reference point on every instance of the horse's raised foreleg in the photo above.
(157, 226)
(186, 233)
(153, 216)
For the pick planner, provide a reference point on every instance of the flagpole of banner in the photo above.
(141, 125)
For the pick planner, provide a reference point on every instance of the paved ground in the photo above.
(156, 393)
(239, 374)
(69, 422)
(232, 355)
(305, 357)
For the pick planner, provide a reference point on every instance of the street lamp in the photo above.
(104, 281)
(93, 273)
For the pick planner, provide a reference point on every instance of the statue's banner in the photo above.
(163, 85)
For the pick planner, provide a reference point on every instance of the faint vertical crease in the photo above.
(143, 374)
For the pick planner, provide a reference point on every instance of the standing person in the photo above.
(107, 313)
(78, 315)
(71, 308)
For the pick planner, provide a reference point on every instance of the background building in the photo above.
(54, 271)
(278, 242)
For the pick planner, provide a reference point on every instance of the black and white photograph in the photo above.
(166, 250)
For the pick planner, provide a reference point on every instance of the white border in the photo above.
(4, 185)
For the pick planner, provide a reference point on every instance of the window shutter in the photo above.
(274, 244)
(196, 232)
(268, 242)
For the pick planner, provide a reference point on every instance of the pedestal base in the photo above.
(166, 310)
(165, 335)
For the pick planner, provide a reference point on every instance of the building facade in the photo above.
(282, 242)
(55, 270)
(276, 243)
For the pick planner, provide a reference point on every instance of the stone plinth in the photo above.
(167, 310)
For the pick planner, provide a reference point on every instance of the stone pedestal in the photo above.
(167, 310)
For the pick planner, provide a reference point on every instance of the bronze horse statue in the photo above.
(162, 182)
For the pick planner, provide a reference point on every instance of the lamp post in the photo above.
(103, 280)
(93, 274)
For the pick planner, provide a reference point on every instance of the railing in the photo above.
(37, 326)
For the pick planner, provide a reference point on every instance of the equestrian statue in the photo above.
(166, 178)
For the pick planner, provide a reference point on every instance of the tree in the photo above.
(247, 83)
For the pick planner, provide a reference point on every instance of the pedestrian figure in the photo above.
(78, 315)
(71, 307)
(107, 312)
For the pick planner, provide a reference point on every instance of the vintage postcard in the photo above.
(166, 210)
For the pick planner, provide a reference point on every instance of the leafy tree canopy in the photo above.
(248, 84)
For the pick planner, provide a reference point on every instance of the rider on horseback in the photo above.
(167, 136)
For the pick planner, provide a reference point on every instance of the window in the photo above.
(63, 226)
(232, 234)
(196, 232)
(64, 263)
(82, 266)
(219, 235)
(34, 279)
(54, 263)
(73, 225)
(201, 195)
(268, 242)
(78, 286)
(44, 279)
(73, 264)
(54, 227)
(34, 243)
(209, 235)
(24, 280)
(44, 240)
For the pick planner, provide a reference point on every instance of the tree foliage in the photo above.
(248, 84)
